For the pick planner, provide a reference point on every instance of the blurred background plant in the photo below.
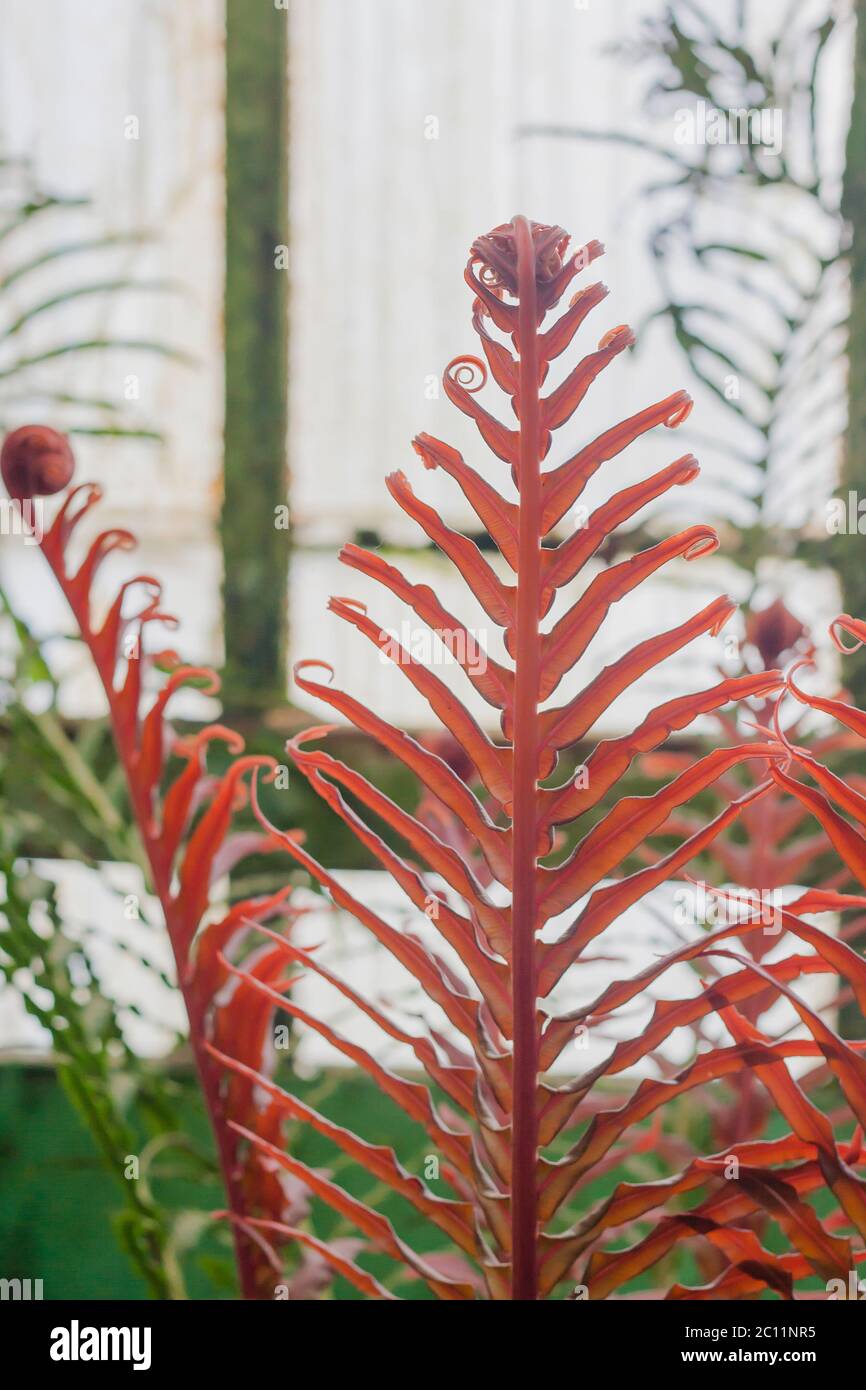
(32, 374)
(759, 253)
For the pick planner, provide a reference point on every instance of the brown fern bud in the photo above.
(36, 461)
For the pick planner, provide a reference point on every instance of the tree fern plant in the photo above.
(491, 1105)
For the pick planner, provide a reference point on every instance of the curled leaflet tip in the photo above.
(468, 372)
(804, 662)
(702, 545)
(313, 661)
(681, 413)
(850, 625)
(347, 602)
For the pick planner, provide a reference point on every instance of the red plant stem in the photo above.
(245, 1258)
(524, 1197)
(245, 1255)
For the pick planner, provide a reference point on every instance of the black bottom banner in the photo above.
(630, 1337)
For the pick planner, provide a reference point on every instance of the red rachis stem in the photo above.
(524, 1203)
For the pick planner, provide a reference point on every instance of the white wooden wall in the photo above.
(381, 218)
(72, 73)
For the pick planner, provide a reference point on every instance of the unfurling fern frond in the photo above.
(491, 1106)
(185, 816)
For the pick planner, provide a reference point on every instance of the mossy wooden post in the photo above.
(255, 551)
(849, 551)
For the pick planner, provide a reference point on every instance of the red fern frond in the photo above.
(502, 1111)
(185, 818)
(773, 845)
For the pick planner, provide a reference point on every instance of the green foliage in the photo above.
(759, 312)
(98, 1071)
(33, 370)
